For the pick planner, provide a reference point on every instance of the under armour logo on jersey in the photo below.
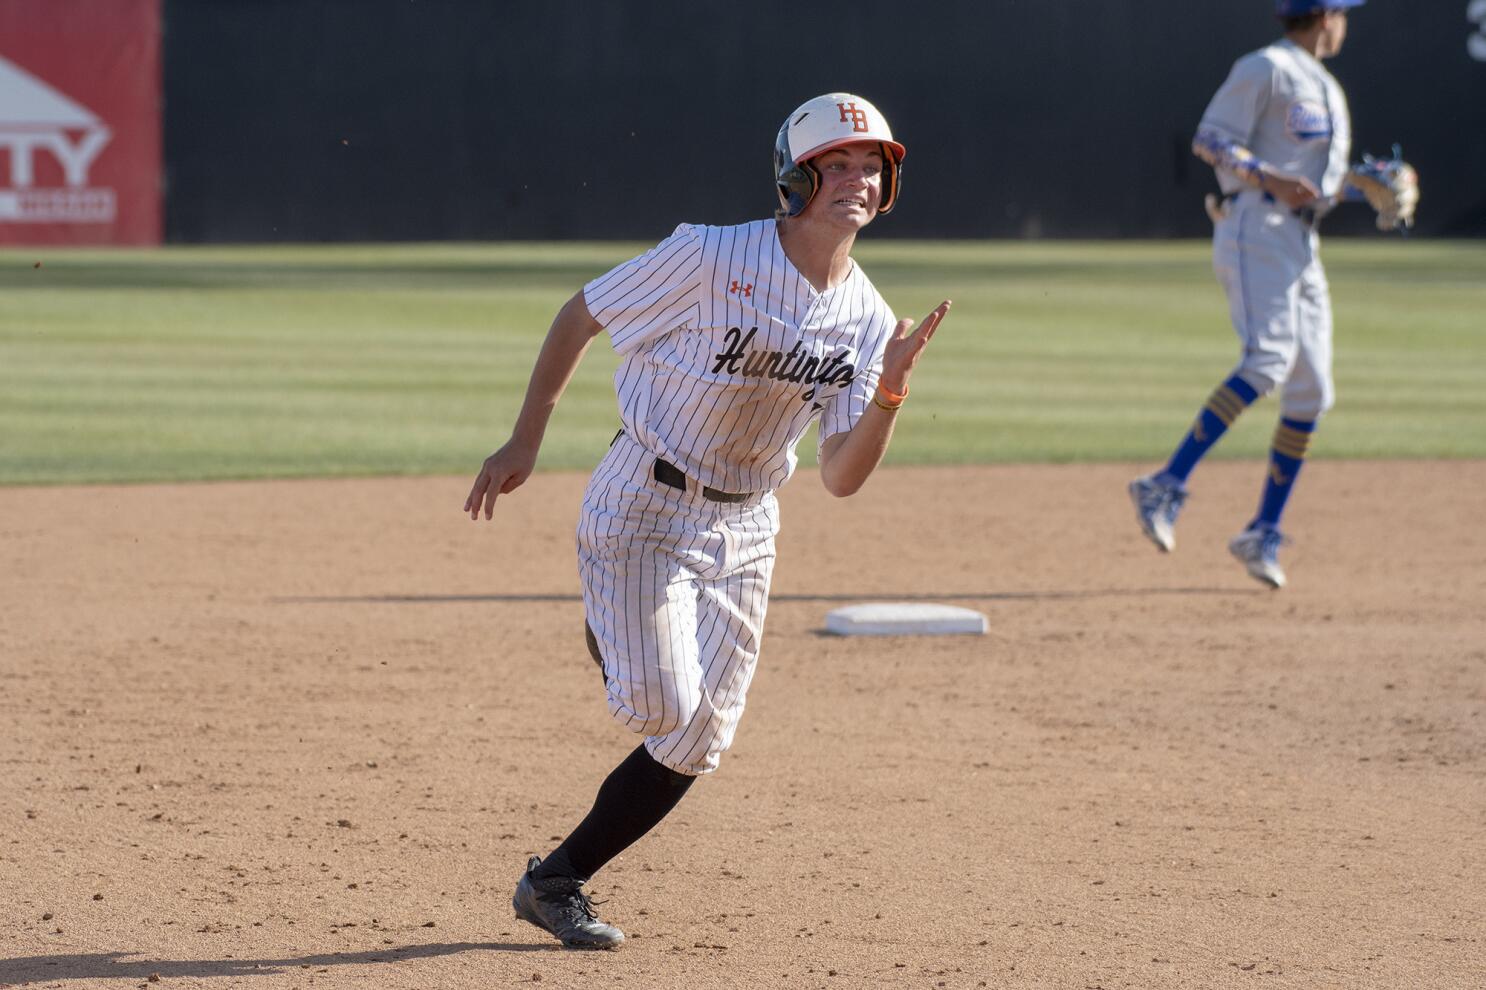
(857, 117)
(746, 291)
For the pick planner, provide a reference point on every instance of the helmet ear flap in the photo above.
(891, 170)
(796, 183)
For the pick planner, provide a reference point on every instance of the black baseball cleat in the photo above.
(559, 906)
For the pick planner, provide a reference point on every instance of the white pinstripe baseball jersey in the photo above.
(728, 352)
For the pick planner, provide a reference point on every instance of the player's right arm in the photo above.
(505, 470)
(1227, 127)
(1219, 151)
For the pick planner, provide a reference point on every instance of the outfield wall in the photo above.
(294, 120)
(395, 119)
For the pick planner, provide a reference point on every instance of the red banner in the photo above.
(80, 94)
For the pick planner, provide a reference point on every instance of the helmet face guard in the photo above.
(816, 127)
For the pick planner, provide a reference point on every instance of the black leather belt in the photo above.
(669, 474)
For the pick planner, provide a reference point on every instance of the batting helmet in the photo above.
(1299, 8)
(816, 127)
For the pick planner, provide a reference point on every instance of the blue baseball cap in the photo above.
(1299, 8)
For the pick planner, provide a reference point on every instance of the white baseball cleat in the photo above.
(1258, 548)
(1157, 504)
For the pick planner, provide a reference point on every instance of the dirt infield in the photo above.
(304, 734)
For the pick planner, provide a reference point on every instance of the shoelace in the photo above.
(580, 903)
(1156, 498)
(1175, 499)
(1270, 543)
(575, 903)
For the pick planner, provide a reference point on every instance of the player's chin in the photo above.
(851, 215)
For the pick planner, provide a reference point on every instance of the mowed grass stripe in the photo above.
(307, 360)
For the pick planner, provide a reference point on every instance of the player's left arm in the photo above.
(848, 459)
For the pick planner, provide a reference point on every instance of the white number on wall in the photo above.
(1475, 12)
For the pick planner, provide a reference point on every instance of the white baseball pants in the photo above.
(675, 588)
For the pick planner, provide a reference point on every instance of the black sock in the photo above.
(632, 801)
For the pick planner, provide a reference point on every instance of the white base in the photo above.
(904, 619)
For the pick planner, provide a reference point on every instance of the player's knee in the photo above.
(662, 715)
(655, 723)
(1308, 406)
(1262, 373)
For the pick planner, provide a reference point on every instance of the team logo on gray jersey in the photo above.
(1308, 121)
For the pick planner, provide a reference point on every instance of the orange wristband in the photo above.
(893, 397)
(894, 400)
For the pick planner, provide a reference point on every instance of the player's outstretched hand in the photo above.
(502, 473)
(903, 351)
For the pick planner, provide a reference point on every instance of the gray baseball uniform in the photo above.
(1284, 106)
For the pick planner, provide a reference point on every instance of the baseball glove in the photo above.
(1390, 186)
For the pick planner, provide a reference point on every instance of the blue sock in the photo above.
(1291, 438)
(1223, 406)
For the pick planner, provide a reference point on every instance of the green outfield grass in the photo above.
(202, 363)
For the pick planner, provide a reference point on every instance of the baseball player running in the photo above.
(1278, 133)
(732, 340)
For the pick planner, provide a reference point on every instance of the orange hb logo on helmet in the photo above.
(857, 117)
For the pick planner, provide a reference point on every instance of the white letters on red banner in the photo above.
(80, 122)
